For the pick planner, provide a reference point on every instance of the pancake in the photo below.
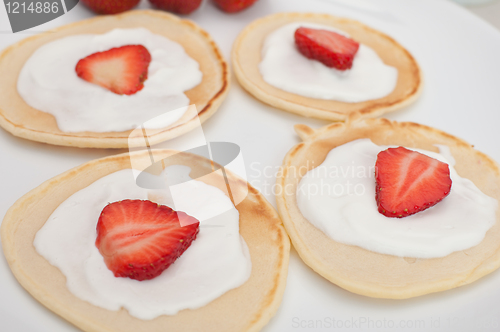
(378, 275)
(246, 308)
(246, 56)
(24, 121)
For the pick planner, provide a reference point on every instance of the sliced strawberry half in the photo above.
(409, 182)
(140, 239)
(328, 47)
(121, 70)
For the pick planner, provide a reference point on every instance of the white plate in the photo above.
(459, 55)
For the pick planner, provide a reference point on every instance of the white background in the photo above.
(459, 54)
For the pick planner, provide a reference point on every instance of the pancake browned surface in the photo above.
(246, 308)
(24, 121)
(378, 275)
(246, 57)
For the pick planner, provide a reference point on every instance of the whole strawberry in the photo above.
(183, 7)
(108, 7)
(233, 6)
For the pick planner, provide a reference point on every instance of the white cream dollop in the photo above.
(338, 197)
(216, 262)
(284, 67)
(49, 83)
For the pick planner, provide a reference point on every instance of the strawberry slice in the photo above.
(140, 239)
(328, 47)
(409, 182)
(121, 70)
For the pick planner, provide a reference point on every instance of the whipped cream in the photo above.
(284, 67)
(216, 262)
(338, 197)
(49, 83)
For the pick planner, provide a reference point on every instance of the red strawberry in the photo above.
(328, 47)
(140, 239)
(233, 6)
(121, 70)
(183, 7)
(110, 6)
(409, 182)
